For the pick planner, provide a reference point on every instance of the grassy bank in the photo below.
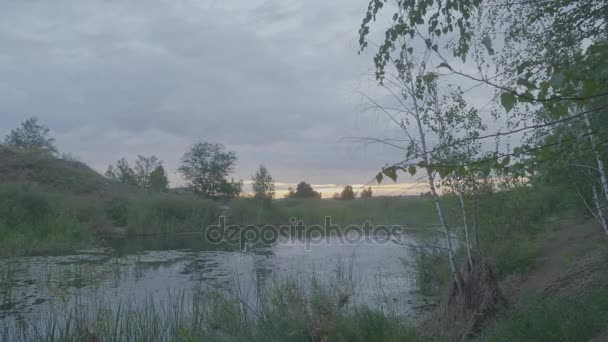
(288, 311)
(34, 220)
(283, 311)
(53, 205)
(408, 211)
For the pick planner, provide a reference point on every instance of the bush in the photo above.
(164, 213)
(553, 319)
(33, 221)
(431, 270)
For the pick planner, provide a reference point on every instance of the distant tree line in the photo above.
(349, 194)
(147, 173)
(205, 167)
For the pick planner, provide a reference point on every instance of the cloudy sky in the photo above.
(277, 81)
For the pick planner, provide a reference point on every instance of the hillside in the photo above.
(46, 171)
(49, 204)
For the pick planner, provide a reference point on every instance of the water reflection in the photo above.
(153, 267)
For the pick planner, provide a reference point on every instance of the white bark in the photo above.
(431, 181)
(475, 221)
(600, 163)
(600, 210)
(466, 227)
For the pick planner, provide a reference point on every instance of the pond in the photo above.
(143, 268)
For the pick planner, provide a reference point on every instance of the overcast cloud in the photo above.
(276, 81)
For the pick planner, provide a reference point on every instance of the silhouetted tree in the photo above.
(122, 172)
(347, 193)
(144, 166)
(31, 135)
(263, 184)
(366, 193)
(141, 174)
(205, 168)
(158, 179)
(290, 193)
(305, 190)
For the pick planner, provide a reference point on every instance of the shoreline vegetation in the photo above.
(44, 213)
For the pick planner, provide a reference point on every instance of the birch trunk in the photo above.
(466, 227)
(600, 210)
(442, 220)
(475, 218)
(600, 163)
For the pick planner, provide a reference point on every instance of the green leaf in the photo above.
(379, 177)
(412, 170)
(391, 173)
(508, 100)
(526, 83)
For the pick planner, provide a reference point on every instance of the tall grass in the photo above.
(553, 319)
(34, 220)
(165, 213)
(409, 211)
(289, 312)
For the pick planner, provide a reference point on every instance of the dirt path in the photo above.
(564, 244)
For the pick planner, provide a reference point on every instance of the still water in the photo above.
(128, 270)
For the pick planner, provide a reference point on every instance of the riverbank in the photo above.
(562, 296)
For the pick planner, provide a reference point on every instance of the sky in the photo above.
(279, 82)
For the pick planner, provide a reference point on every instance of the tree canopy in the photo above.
(206, 166)
(31, 135)
(347, 193)
(551, 53)
(367, 192)
(263, 184)
(303, 190)
(147, 173)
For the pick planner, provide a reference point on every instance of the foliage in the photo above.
(290, 193)
(289, 312)
(544, 58)
(303, 190)
(366, 192)
(122, 173)
(35, 221)
(31, 135)
(205, 168)
(347, 193)
(263, 184)
(54, 205)
(167, 213)
(43, 169)
(158, 179)
(147, 173)
(430, 269)
(144, 166)
(542, 318)
(407, 211)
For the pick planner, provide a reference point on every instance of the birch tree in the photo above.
(432, 122)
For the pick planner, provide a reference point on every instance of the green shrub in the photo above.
(553, 319)
(33, 221)
(515, 254)
(164, 213)
(117, 211)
